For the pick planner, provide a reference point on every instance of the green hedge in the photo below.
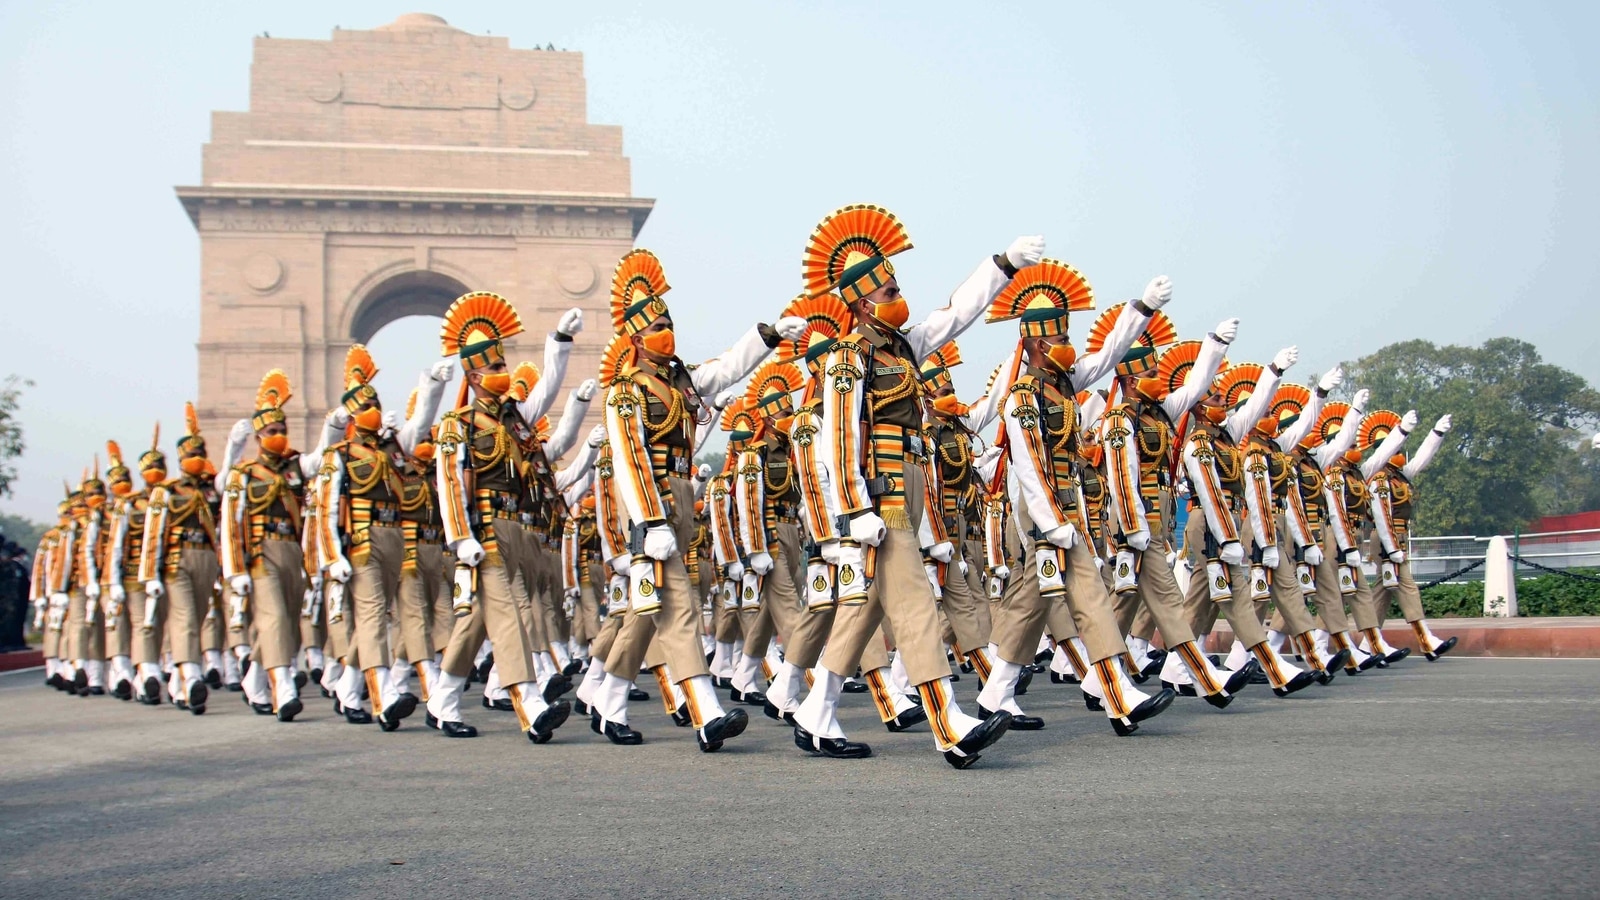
(1547, 595)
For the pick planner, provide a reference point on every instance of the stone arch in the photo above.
(414, 292)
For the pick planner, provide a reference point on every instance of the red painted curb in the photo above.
(20, 659)
(1548, 638)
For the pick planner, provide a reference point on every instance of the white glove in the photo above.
(1025, 251)
(92, 591)
(1313, 556)
(704, 472)
(943, 551)
(725, 399)
(1157, 293)
(339, 417)
(1443, 425)
(1002, 572)
(735, 570)
(1359, 401)
(571, 322)
(1408, 422)
(340, 570)
(468, 552)
(660, 542)
(119, 595)
(761, 563)
(1139, 540)
(987, 461)
(443, 370)
(1063, 536)
(1286, 358)
(1333, 378)
(597, 435)
(620, 564)
(1270, 558)
(868, 529)
(240, 584)
(569, 604)
(390, 420)
(585, 391)
(155, 589)
(240, 432)
(963, 566)
(1232, 553)
(829, 551)
(1397, 557)
(1354, 559)
(1099, 564)
(1227, 330)
(790, 327)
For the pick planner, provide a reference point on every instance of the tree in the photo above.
(11, 445)
(21, 531)
(1518, 422)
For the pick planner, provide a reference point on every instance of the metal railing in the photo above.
(1435, 556)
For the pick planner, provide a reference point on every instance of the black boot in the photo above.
(1018, 723)
(1448, 645)
(906, 720)
(1298, 683)
(836, 748)
(403, 705)
(621, 735)
(1149, 709)
(545, 725)
(729, 725)
(965, 753)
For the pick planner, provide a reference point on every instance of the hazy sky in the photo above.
(1340, 175)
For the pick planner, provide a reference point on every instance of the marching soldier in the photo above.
(1393, 508)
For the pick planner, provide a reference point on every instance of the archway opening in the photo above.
(399, 322)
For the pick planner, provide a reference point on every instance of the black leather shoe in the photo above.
(1398, 655)
(1236, 682)
(482, 673)
(1258, 675)
(635, 695)
(1340, 660)
(954, 677)
(580, 707)
(1368, 663)
(834, 748)
(1058, 678)
(198, 694)
(501, 705)
(555, 687)
(244, 665)
(772, 711)
(751, 698)
(594, 723)
(355, 715)
(855, 687)
(1018, 723)
(680, 717)
(729, 725)
(80, 681)
(1092, 703)
(965, 667)
(965, 753)
(316, 675)
(213, 678)
(234, 686)
(548, 721)
(300, 681)
(572, 668)
(262, 709)
(622, 735)
(724, 683)
(1182, 690)
(55, 680)
(1138, 677)
(123, 690)
(288, 711)
(1023, 680)
(152, 691)
(403, 705)
(1158, 658)
(457, 730)
(916, 715)
(1448, 645)
(1298, 683)
(1323, 677)
(1149, 709)
(1044, 656)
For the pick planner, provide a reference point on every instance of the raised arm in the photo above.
(583, 463)
(231, 452)
(967, 302)
(1389, 446)
(1430, 447)
(566, 433)
(1242, 420)
(1345, 438)
(1092, 367)
(557, 348)
(988, 406)
(716, 375)
(430, 393)
(1206, 363)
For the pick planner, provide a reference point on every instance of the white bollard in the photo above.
(1499, 582)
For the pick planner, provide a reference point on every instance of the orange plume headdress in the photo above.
(192, 442)
(153, 458)
(358, 371)
(1330, 421)
(637, 287)
(475, 327)
(617, 358)
(1140, 357)
(1237, 383)
(1042, 295)
(1286, 406)
(849, 252)
(935, 371)
(1375, 426)
(271, 396)
(827, 320)
(523, 378)
(771, 387)
(117, 470)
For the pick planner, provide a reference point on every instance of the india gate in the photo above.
(383, 173)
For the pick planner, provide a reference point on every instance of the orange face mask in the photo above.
(661, 343)
(1398, 460)
(1214, 414)
(950, 405)
(122, 488)
(1152, 389)
(497, 383)
(1352, 456)
(153, 477)
(1063, 355)
(95, 501)
(369, 419)
(424, 452)
(193, 465)
(276, 444)
(783, 424)
(894, 314)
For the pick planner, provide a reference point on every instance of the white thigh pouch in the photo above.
(851, 575)
(750, 590)
(644, 585)
(1047, 562)
(819, 585)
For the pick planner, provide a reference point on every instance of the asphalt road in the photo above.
(1470, 777)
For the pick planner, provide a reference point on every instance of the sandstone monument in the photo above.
(383, 173)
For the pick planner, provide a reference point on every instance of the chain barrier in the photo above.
(1451, 576)
(1562, 572)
